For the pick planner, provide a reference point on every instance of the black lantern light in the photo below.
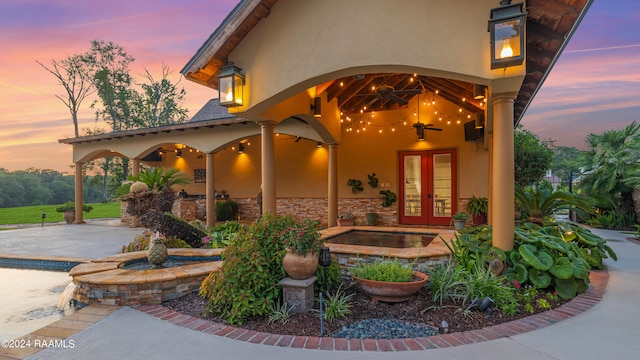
(43, 216)
(506, 28)
(231, 84)
(325, 257)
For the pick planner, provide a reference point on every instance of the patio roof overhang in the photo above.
(550, 25)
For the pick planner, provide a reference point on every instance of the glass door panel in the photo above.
(412, 185)
(428, 187)
(442, 198)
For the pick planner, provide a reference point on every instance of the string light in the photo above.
(365, 119)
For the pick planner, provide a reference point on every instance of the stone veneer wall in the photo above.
(300, 208)
(347, 261)
(137, 294)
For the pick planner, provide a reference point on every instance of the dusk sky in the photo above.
(594, 86)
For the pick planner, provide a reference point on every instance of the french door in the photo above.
(427, 187)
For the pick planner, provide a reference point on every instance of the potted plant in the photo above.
(478, 207)
(347, 219)
(388, 281)
(69, 211)
(303, 244)
(459, 220)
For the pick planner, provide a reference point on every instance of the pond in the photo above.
(399, 240)
(29, 300)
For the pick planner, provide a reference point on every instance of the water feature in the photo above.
(29, 299)
(385, 239)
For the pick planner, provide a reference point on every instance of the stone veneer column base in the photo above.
(298, 294)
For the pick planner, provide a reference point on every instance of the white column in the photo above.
(269, 204)
(502, 190)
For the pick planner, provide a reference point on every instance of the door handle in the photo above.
(428, 196)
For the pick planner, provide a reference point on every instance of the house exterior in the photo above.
(337, 90)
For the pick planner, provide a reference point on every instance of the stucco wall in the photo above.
(301, 167)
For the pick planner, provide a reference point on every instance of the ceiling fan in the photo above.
(388, 92)
(421, 127)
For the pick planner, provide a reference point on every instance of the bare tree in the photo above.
(75, 74)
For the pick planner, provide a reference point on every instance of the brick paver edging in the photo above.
(581, 303)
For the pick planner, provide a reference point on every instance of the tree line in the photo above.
(44, 187)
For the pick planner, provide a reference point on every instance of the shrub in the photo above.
(141, 242)
(70, 205)
(227, 210)
(247, 283)
(392, 271)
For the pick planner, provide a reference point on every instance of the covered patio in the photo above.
(410, 95)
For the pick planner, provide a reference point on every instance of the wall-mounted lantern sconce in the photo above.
(319, 144)
(178, 153)
(240, 148)
(478, 91)
(316, 107)
(506, 28)
(231, 83)
(479, 120)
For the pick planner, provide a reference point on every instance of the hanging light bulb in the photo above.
(506, 51)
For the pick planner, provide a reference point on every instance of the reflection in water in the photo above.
(382, 239)
(29, 299)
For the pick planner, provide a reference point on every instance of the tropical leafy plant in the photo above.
(613, 166)
(478, 206)
(558, 255)
(540, 204)
(159, 178)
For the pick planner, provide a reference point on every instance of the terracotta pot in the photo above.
(479, 219)
(346, 222)
(300, 267)
(69, 216)
(392, 291)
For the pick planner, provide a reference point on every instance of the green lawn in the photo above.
(33, 214)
